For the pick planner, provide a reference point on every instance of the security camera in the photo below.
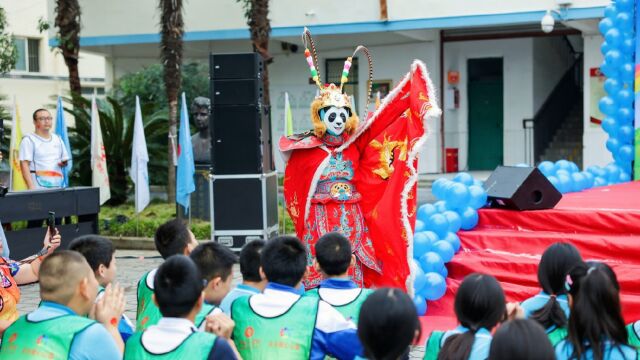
(547, 22)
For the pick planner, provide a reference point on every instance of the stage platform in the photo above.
(603, 223)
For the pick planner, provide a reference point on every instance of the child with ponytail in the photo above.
(479, 306)
(550, 307)
(596, 328)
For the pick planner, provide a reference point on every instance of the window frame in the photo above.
(27, 64)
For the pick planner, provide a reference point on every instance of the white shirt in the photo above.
(43, 156)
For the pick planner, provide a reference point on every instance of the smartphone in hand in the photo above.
(51, 223)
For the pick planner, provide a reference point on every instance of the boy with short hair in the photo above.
(59, 328)
(179, 296)
(171, 238)
(333, 259)
(100, 254)
(253, 282)
(215, 263)
(279, 323)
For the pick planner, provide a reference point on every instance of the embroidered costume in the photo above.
(360, 179)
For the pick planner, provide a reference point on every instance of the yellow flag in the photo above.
(288, 116)
(17, 181)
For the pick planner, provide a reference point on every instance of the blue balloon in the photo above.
(469, 218)
(454, 240)
(437, 188)
(605, 25)
(612, 145)
(435, 288)
(612, 86)
(613, 58)
(418, 276)
(623, 5)
(554, 181)
(547, 168)
(607, 106)
(624, 177)
(431, 262)
(604, 48)
(608, 69)
(477, 196)
(573, 167)
(444, 249)
(438, 224)
(564, 183)
(453, 219)
(444, 272)
(589, 179)
(613, 173)
(423, 242)
(613, 37)
(624, 21)
(477, 182)
(627, 73)
(625, 134)
(563, 165)
(458, 195)
(464, 178)
(599, 181)
(420, 303)
(610, 11)
(628, 47)
(419, 226)
(440, 206)
(626, 153)
(624, 98)
(624, 116)
(609, 125)
(425, 211)
(579, 182)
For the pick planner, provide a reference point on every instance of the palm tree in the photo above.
(257, 14)
(172, 30)
(68, 24)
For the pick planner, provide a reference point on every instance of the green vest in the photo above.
(283, 337)
(351, 310)
(149, 314)
(634, 339)
(46, 339)
(433, 345)
(196, 346)
(556, 335)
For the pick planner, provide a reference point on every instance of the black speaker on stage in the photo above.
(521, 188)
(241, 125)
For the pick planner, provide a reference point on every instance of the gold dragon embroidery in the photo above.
(387, 155)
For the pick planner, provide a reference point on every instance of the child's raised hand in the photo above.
(220, 325)
(514, 311)
(109, 309)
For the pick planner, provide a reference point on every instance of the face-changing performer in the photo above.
(360, 178)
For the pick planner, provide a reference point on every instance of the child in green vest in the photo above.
(550, 307)
(59, 328)
(521, 339)
(633, 330)
(171, 238)
(100, 254)
(282, 324)
(215, 263)
(178, 293)
(388, 324)
(333, 259)
(252, 281)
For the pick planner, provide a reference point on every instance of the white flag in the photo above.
(99, 176)
(139, 159)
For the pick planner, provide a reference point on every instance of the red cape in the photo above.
(388, 144)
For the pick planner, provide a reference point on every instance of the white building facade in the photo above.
(494, 69)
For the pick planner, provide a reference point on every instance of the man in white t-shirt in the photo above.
(43, 154)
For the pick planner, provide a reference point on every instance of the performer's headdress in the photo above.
(331, 94)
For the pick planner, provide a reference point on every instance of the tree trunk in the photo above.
(68, 23)
(260, 29)
(172, 30)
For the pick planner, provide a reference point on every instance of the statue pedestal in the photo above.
(199, 198)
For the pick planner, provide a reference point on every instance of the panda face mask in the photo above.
(335, 119)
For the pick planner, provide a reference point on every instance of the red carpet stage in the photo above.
(603, 223)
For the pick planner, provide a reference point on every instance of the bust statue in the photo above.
(201, 141)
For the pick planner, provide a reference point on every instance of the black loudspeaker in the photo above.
(241, 140)
(236, 91)
(235, 66)
(521, 188)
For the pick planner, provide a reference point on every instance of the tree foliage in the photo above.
(117, 135)
(8, 52)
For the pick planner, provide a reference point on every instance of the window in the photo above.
(28, 54)
(334, 73)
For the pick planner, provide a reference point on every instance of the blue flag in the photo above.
(186, 166)
(61, 130)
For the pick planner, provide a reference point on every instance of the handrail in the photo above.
(556, 107)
